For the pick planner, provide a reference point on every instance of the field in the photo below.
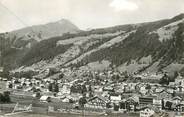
(69, 115)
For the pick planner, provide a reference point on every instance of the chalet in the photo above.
(164, 94)
(131, 104)
(97, 102)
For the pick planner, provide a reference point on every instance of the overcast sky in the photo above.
(86, 13)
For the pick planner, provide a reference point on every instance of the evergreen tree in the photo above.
(56, 87)
(50, 87)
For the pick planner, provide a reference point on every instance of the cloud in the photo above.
(119, 5)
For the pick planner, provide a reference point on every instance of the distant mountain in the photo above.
(145, 47)
(49, 30)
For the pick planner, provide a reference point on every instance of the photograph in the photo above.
(91, 58)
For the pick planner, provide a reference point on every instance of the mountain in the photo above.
(144, 47)
(49, 30)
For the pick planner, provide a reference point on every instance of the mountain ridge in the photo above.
(142, 47)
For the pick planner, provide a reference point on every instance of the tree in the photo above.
(56, 87)
(82, 101)
(38, 95)
(148, 87)
(165, 80)
(90, 88)
(176, 74)
(61, 76)
(50, 87)
(5, 97)
(10, 86)
(84, 89)
(1, 97)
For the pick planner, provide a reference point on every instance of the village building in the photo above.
(131, 103)
(115, 98)
(45, 98)
(179, 80)
(180, 107)
(145, 101)
(157, 103)
(165, 94)
(96, 103)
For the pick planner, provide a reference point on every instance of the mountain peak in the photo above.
(64, 20)
(49, 30)
(67, 22)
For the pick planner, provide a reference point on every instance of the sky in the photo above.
(86, 14)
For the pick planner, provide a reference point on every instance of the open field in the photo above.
(69, 115)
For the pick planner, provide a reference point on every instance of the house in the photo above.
(131, 103)
(176, 100)
(179, 80)
(143, 89)
(65, 89)
(180, 88)
(146, 101)
(169, 105)
(180, 107)
(157, 103)
(130, 87)
(97, 102)
(66, 100)
(45, 98)
(115, 98)
(108, 88)
(147, 112)
(164, 94)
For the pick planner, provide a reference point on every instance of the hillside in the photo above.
(151, 46)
